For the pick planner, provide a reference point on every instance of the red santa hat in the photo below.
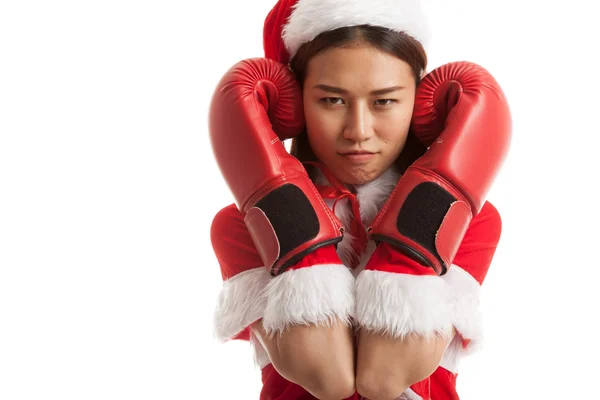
(291, 23)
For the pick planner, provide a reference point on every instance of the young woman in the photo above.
(359, 278)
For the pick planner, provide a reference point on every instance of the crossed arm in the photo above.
(326, 362)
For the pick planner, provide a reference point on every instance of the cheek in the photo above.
(321, 128)
(395, 130)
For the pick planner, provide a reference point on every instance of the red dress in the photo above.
(240, 303)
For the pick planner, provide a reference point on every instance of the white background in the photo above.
(108, 187)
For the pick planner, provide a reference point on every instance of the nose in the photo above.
(359, 123)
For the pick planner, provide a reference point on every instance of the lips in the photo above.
(355, 152)
(358, 156)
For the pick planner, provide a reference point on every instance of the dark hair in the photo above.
(399, 44)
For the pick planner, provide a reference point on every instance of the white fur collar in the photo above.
(371, 197)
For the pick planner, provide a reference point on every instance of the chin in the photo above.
(360, 176)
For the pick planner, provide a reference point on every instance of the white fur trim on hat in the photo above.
(313, 17)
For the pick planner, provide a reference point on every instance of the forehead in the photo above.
(358, 67)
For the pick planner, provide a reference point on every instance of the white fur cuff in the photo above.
(313, 295)
(401, 304)
(241, 302)
(466, 313)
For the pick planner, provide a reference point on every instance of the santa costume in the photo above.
(346, 285)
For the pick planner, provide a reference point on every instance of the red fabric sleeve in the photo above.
(240, 266)
(479, 244)
(232, 243)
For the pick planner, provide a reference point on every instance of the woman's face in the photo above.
(358, 103)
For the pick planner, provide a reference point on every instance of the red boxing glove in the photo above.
(256, 105)
(462, 115)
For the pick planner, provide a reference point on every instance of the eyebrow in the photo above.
(377, 92)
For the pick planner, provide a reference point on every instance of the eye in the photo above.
(333, 100)
(385, 102)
